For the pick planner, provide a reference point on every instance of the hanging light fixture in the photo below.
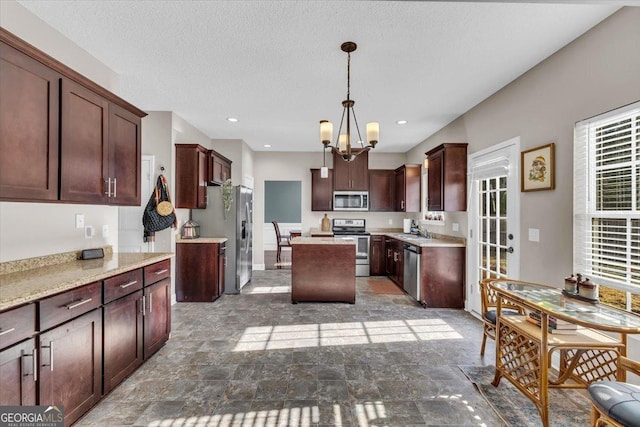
(343, 144)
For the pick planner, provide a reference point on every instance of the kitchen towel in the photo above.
(406, 226)
(152, 219)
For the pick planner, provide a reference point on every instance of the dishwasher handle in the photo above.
(412, 248)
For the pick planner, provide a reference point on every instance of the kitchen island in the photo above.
(323, 269)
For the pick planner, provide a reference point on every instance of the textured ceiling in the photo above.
(277, 65)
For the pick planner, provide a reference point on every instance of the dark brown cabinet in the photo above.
(447, 177)
(70, 365)
(192, 169)
(407, 188)
(377, 257)
(18, 374)
(381, 190)
(352, 175)
(68, 139)
(219, 168)
(28, 128)
(156, 306)
(442, 277)
(199, 273)
(395, 261)
(123, 323)
(321, 191)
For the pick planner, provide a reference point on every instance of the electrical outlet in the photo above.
(79, 221)
(89, 231)
(105, 230)
(455, 226)
(390, 221)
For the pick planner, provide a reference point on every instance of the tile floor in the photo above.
(257, 360)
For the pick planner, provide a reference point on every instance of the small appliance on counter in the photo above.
(190, 230)
(406, 225)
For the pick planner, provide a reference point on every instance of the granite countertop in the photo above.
(203, 240)
(322, 241)
(423, 242)
(29, 285)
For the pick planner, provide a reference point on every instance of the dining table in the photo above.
(527, 344)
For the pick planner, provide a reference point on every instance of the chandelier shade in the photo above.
(343, 144)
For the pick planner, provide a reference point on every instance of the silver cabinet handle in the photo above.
(150, 303)
(108, 182)
(401, 204)
(115, 187)
(7, 331)
(50, 347)
(34, 353)
(78, 304)
(144, 306)
(164, 270)
(126, 285)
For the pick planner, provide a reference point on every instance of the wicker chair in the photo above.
(282, 241)
(616, 403)
(489, 314)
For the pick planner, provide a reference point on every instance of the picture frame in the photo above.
(537, 168)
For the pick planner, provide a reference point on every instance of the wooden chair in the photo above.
(283, 241)
(489, 300)
(616, 403)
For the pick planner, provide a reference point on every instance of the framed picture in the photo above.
(537, 168)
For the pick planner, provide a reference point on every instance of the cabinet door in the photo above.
(124, 156)
(341, 176)
(71, 365)
(442, 277)
(28, 128)
(196, 272)
(435, 175)
(400, 175)
(157, 316)
(377, 265)
(321, 191)
(359, 172)
(18, 367)
(201, 202)
(381, 190)
(222, 265)
(122, 339)
(191, 176)
(84, 146)
(390, 263)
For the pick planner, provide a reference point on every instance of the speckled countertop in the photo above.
(203, 240)
(322, 241)
(29, 285)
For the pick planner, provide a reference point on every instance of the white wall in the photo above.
(35, 229)
(596, 73)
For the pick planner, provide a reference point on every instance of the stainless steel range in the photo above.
(355, 229)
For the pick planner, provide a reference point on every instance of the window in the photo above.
(607, 203)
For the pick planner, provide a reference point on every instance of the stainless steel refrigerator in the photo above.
(237, 226)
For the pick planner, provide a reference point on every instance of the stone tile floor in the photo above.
(255, 359)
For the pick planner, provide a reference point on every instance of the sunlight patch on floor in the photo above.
(269, 290)
(347, 333)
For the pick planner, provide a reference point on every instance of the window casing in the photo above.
(607, 199)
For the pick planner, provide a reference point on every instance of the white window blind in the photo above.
(606, 198)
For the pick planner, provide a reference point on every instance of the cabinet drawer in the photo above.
(155, 272)
(67, 305)
(122, 284)
(17, 324)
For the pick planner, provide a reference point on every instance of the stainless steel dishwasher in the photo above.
(412, 270)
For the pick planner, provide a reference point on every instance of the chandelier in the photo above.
(343, 143)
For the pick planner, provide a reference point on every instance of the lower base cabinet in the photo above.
(18, 374)
(70, 365)
(122, 339)
(377, 256)
(157, 316)
(199, 271)
(443, 277)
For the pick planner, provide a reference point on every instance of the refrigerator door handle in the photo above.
(243, 235)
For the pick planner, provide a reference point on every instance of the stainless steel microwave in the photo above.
(350, 200)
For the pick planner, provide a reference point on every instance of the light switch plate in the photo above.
(455, 226)
(79, 221)
(534, 235)
(105, 230)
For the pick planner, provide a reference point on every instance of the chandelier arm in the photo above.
(344, 109)
(353, 112)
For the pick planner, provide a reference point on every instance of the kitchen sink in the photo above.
(413, 237)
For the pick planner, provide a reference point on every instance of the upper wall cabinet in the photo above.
(321, 191)
(96, 157)
(352, 175)
(219, 168)
(447, 175)
(382, 190)
(407, 188)
(192, 175)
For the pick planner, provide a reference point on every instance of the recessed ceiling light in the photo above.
(232, 119)
(267, 145)
(401, 122)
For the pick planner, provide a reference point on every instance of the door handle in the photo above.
(115, 187)
(108, 192)
(50, 347)
(510, 249)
